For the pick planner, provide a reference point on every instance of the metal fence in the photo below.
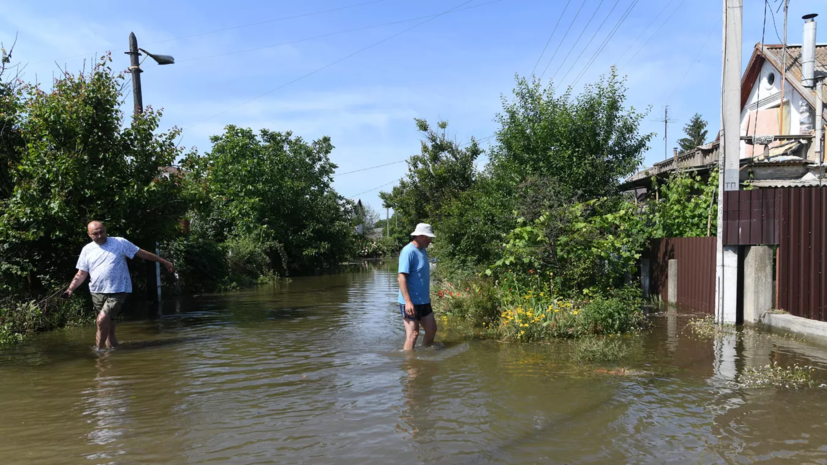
(696, 270)
(801, 269)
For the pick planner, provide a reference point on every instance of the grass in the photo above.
(604, 349)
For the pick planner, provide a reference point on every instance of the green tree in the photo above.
(436, 178)
(695, 132)
(275, 188)
(77, 161)
(587, 143)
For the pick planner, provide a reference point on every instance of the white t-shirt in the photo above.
(106, 265)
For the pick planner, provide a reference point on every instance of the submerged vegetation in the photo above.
(773, 375)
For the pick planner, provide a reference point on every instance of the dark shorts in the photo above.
(420, 311)
(109, 304)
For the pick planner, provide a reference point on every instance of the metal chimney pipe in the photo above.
(808, 51)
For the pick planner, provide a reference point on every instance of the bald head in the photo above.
(97, 232)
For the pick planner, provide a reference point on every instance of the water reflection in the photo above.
(310, 371)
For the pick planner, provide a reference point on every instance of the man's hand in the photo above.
(409, 309)
(168, 265)
(66, 295)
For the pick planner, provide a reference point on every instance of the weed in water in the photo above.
(604, 349)
(773, 375)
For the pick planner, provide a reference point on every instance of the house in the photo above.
(771, 155)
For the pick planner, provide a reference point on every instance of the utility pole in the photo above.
(388, 221)
(153, 276)
(666, 121)
(153, 285)
(726, 269)
(783, 72)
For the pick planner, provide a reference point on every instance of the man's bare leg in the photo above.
(411, 333)
(112, 341)
(429, 324)
(102, 336)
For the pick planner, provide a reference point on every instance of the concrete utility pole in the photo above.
(726, 269)
(783, 72)
(153, 285)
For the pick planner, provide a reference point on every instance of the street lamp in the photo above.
(135, 69)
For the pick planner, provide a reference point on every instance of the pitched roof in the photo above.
(773, 53)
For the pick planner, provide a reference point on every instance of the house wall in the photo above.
(770, 98)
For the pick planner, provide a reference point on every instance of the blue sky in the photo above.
(454, 67)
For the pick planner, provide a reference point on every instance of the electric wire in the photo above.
(329, 34)
(774, 24)
(284, 18)
(654, 33)
(571, 49)
(644, 31)
(549, 37)
(377, 187)
(697, 58)
(605, 42)
(563, 39)
(330, 64)
(758, 90)
(563, 79)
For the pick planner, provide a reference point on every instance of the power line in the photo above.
(571, 49)
(654, 33)
(377, 187)
(332, 63)
(644, 31)
(562, 79)
(563, 39)
(284, 18)
(697, 58)
(549, 37)
(332, 34)
(774, 25)
(605, 42)
(372, 167)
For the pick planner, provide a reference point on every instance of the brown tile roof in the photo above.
(774, 52)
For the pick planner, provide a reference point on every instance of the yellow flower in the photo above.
(575, 312)
(542, 295)
(556, 310)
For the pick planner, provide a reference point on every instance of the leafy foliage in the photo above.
(275, 187)
(687, 206)
(586, 143)
(77, 161)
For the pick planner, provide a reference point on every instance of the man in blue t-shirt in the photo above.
(415, 287)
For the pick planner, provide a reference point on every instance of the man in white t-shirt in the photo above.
(104, 259)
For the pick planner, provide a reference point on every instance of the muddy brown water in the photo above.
(310, 372)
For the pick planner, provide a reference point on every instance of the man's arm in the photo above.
(141, 253)
(79, 278)
(403, 288)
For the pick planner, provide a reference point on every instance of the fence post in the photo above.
(757, 282)
(645, 276)
(672, 278)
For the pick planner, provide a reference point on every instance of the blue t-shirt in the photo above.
(414, 263)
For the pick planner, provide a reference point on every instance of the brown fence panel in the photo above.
(802, 214)
(696, 270)
(750, 217)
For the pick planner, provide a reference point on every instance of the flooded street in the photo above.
(311, 372)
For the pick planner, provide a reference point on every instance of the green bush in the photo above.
(248, 261)
(201, 264)
(19, 319)
(611, 315)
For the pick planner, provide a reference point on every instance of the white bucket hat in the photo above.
(423, 229)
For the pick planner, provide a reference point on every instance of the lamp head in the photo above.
(160, 59)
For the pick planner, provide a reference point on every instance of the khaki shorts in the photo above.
(109, 304)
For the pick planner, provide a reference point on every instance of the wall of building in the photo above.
(769, 95)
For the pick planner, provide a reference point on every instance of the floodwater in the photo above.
(311, 372)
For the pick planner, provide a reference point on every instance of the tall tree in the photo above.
(586, 143)
(695, 132)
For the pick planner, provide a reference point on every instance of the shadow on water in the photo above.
(166, 342)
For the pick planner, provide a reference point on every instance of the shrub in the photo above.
(21, 318)
(201, 265)
(612, 315)
(248, 261)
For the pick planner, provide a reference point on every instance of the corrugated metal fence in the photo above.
(801, 268)
(696, 270)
